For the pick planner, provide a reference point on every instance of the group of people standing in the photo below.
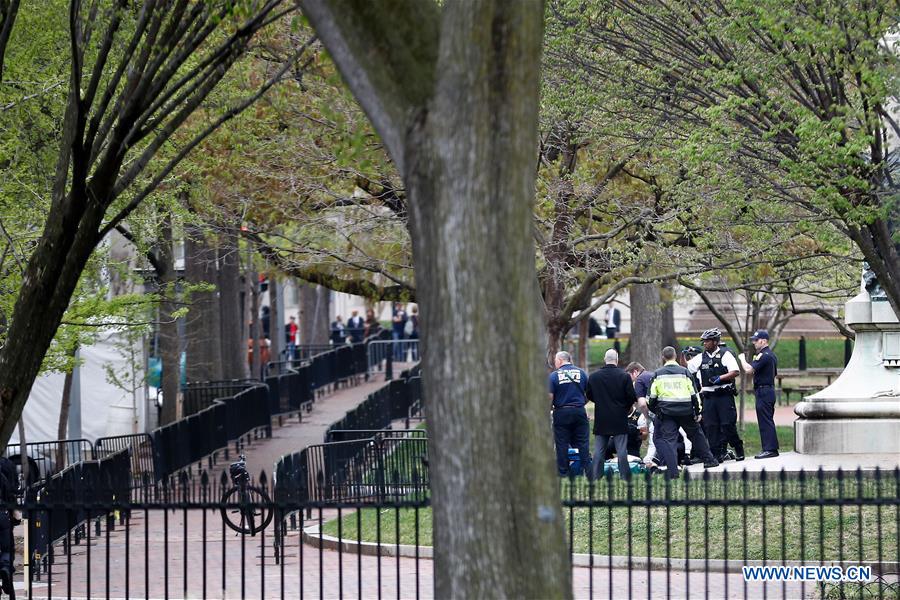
(404, 328)
(357, 328)
(693, 399)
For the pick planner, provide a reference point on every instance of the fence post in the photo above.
(801, 354)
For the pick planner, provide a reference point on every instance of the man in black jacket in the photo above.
(612, 392)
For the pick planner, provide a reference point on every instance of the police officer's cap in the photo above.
(760, 334)
(711, 334)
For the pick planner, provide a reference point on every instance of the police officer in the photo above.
(674, 399)
(9, 487)
(716, 370)
(687, 353)
(568, 385)
(764, 369)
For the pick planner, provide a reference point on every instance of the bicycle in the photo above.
(252, 503)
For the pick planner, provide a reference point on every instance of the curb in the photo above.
(312, 537)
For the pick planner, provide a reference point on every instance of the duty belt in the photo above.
(765, 385)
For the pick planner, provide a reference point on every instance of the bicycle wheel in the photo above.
(253, 512)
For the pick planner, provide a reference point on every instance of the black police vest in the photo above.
(711, 366)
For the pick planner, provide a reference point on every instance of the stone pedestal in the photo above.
(860, 411)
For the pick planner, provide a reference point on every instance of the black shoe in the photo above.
(710, 464)
(739, 453)
(767, 454)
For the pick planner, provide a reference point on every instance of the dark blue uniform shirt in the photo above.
(568, 385)
(765, 366)
(642, 384)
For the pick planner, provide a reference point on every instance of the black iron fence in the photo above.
(45, 459)
(203, 394)
(390, 402)
(815, 535)
(142, 452)
(371, 468)
(139, 468)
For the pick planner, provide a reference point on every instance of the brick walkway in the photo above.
(240, 572)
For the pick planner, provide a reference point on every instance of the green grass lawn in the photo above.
(820, 352)
(753, 446)
(811, 532)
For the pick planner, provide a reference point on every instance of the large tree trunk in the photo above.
(646, 325)
(202, 324)
(169, 344)
(667, 299)
(454, 96)
(315, 308)
(497, 524)
(255, 329)
(234, 363)
(62, 426)
(276, 321)
(53, 271)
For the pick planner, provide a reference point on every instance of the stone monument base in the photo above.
(847, 436)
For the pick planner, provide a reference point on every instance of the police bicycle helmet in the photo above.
(691, 351)
(711, 334)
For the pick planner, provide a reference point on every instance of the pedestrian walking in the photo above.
(764, 368)
(571, 428)
(676, 403)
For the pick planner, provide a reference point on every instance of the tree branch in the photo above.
(392, 76)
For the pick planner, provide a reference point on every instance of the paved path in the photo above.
(784, 414)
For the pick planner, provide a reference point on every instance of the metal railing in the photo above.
(143, 456)
(200, 395)
(813, 535)
(46, 458)
(398, 350)
(366, 469)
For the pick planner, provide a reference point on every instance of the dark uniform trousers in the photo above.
(571, 428)
(765, 416)
(720, 422)
(667, 443)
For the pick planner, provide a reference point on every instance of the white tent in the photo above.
(105, 408)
